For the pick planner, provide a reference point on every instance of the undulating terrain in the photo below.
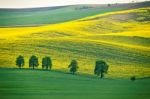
(121, 38)
(51, 15)
(119, 34)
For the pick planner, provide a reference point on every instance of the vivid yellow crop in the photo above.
(66, 41)
(78, 27)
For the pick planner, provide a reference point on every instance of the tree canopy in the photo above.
(46, 63)
(73, 66)
(101, 67)
(33, 61)
(20, 61)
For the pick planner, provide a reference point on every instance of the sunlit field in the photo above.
(120, 38)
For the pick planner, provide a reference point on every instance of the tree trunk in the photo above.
(47, 67)
(73, 73)
(102, 74)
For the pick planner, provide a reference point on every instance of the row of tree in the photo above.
(101, 66)
(33, 62)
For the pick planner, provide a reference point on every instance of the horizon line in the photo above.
(68, 5)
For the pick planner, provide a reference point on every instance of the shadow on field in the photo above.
(90, 76)
(60, 71)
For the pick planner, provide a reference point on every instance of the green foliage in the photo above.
(20, 61)
(47, 63)
(100, 68)
(73, 66)
(33, 62)
(108, 5)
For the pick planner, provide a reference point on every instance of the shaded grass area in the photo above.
(37, 84)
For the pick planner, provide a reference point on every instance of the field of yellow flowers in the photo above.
(120, 38)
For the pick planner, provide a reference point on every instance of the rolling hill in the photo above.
(51, 15)
(121, 38)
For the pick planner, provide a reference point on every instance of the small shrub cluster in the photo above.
(133, 78)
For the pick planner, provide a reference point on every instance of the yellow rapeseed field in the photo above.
(85, 40)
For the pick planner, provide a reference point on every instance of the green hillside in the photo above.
(51, 15)
(37, 84)
(118, 34)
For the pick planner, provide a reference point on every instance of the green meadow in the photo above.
(47, 16)
(39, 84)
(53, 15)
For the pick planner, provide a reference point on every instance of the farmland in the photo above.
(118, 34)
(121, 38)
(60, 14)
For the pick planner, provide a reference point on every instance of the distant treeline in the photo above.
(101, 67)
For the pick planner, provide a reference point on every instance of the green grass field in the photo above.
(51, 15)
(38, 84)
(47, 16)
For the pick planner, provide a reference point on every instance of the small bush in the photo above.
(133, 78)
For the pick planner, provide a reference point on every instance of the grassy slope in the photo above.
(40, 16)
(35, 84)
(123, 43)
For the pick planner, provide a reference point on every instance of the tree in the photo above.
(133, 78)
(73, 66)
(108, 5)
(33, 62)
(100, 68)
(20, 61)
(47, 63)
